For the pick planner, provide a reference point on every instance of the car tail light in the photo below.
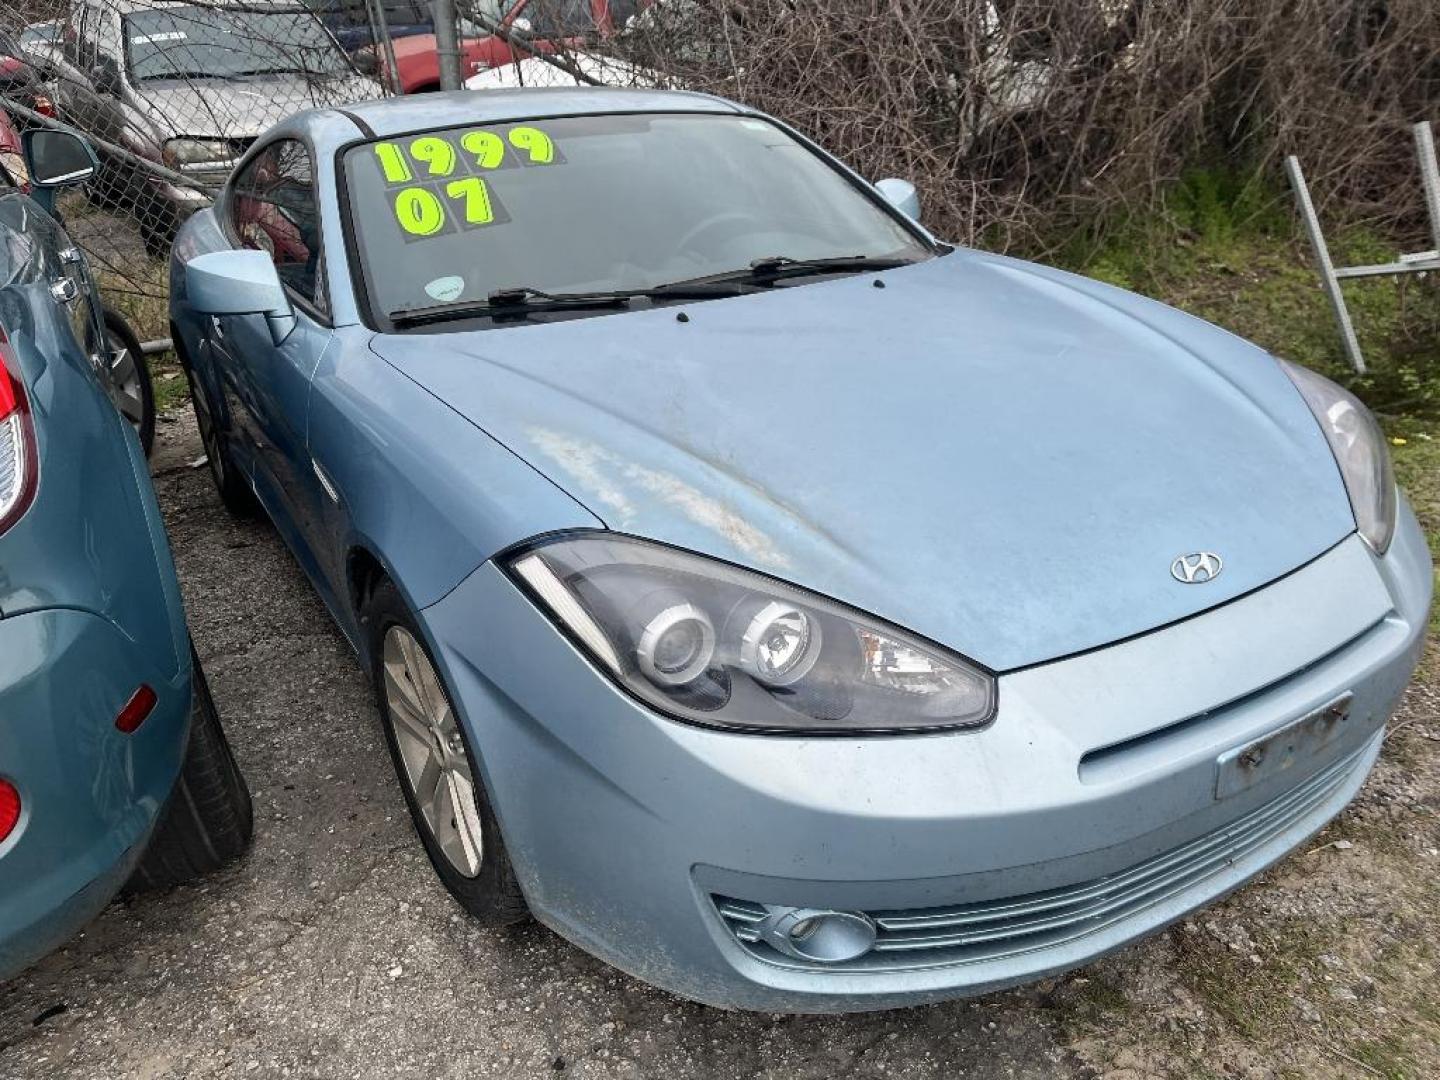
(18, 464)
(136, 709)
(9, 808)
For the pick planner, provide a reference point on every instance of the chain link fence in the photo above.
(171, 94)
(1018, 119)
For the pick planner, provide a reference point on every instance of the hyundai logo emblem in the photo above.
(1196, 568)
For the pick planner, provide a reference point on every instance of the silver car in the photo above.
(189, 86)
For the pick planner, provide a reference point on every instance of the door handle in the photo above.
(64, 290)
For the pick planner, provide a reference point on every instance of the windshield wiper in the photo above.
(771, 268)
(522, 300)
(519, 300)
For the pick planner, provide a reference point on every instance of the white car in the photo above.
(533, 71)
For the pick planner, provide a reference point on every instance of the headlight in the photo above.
(196, 153)
(712, 644)
(1359, 447)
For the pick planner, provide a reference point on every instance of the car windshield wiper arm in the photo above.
(521, 300)
(518, 300)
(771, 268)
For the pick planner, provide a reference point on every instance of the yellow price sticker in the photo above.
(477, 199)
(487, 148)
(393, 163)
(435, 153)
(419, 211)
(439, 156)
(534, 142)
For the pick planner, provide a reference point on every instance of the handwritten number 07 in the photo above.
(420, 212)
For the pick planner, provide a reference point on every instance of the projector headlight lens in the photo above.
(780, 644)
(709, 643)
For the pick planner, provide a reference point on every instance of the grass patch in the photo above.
(1253, 998)
(1225, 248)
(1089, 1002)
(1388, 1057)
(140, 297)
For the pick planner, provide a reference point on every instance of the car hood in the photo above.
(243, 108)
(1004, 458)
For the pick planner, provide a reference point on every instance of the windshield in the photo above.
(199, 42)
(598, 203)
(40, 34)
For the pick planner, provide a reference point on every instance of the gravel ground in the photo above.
(332, 951)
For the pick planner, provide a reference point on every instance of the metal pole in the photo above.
(1328, 281)
(380, 39)
(1430, 175)
(447, 43)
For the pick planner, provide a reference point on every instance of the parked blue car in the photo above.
(793, 610)
(350, 22)
(113, 765)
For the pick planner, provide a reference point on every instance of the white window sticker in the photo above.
(445, 289)
(152, 39)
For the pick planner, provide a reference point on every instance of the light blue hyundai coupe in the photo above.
(793, 610)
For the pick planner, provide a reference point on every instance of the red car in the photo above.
(544, 22)
(11, 159)
(19, 81)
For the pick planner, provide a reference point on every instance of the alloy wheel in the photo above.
(209, 440)
(124, 377)
(436, 765)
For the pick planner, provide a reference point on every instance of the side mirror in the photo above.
(57, 158)
(521, 23)
(902, 195)
(106, 77)
(240, 283)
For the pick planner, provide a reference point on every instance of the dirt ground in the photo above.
(332, 951)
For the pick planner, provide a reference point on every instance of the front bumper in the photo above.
(89, 794)
(647, 842)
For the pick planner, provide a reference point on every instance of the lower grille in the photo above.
(996, 929)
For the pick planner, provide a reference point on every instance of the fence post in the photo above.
(1430, 176)
(1328, 281)
(447, 43)
(384, 44)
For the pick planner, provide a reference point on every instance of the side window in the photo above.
(273, 209)
(402, 13)
(555, 19)
(621, 12)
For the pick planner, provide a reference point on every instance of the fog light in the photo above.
(9, 808)
(825, 937)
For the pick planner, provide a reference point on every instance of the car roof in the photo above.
(395, 116)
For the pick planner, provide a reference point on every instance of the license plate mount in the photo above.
(1242, 767)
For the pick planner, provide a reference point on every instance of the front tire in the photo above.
(437, 769)
(129, 375)
(230, 485)
(209, 819)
